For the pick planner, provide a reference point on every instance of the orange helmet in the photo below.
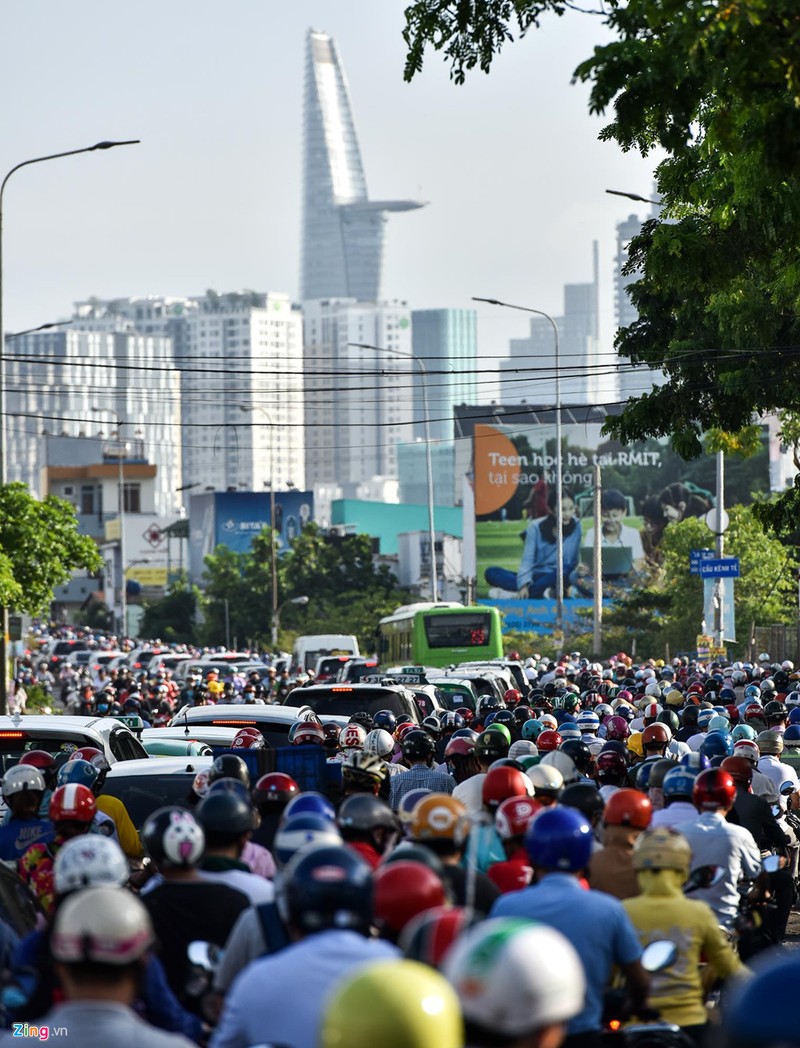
(628, 808)
(439, 817)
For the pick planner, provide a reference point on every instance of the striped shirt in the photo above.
(419, 777)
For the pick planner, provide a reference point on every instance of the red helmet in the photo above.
(275, 790)
(753, 712)
(713, 789)
(512, 697)
(309, 734)
(459, 747)
(610, 765)
(625, 695)
(40, 759)
(248, 738)
(740, 770)
(502, 783)
(86, 753)
(402, 890)
(428, 937)
(512, 817)
(657, 733)
(695, 688)
(403, 729)
(628, 808)
(466, 713)
(617, 728)
(548, 741)
(733, 713)
(72, 803)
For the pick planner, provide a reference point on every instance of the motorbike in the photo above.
(652, 1031)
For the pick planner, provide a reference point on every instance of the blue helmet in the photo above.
(745, 731)
(695, 762)
(717, 744)
(678, 783)
(756, 1016)
(532, 729)
(310, 803)
(327, 887)
(295, 833)
(792, 734)
(704, 718)
(794, 715)
(385, 719)
(559, 839)
(81, 773)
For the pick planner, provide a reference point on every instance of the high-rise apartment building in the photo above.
(530, 372)
(446, 341)
(343, 231)
(632, 381)
(75, 382)
(358, 393)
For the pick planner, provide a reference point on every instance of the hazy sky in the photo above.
(510, 163)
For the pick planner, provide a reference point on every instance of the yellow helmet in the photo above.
(439, 817)
(635, 744)
(394, 1004)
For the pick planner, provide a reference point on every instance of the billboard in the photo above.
(645, 487)
(234, 518)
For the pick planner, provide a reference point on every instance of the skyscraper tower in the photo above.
(343, 231)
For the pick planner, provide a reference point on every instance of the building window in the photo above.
(88, 494)
(132, 497)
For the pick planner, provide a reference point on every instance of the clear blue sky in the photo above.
(510, 163)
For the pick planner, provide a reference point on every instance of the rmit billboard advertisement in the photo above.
(645, 487)
(235, 518)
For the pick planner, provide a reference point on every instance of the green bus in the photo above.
(439, 635)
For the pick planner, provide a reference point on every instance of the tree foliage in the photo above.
(174, 617)
(39, 548)
(668, 609)
(716, 85)
(348, 593)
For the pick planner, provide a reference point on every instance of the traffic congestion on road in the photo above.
(225, 848)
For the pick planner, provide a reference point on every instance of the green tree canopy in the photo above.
(715, 85)
(40, 547)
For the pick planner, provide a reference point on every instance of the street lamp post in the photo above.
(559, 481)
(276, 621)
(428, 465)
(3, 455)
(273, 559)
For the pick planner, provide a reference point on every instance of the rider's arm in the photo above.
(722, 957)
(637, 982)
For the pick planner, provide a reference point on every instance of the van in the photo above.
(309, 649)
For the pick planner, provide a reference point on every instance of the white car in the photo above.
(55, 734)
(272, 721)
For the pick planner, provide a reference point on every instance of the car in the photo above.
(62, 650)
(140, 658)
(101, 660)
(55, 734)
(271, 720)
(145, 785)
(223, 667)
(343, 700)
(166, 662)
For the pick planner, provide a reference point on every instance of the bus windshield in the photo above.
(458, 631)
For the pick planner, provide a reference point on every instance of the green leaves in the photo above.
(39, 548)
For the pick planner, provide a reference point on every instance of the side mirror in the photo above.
(703, 877)
(203, 955)
(771, 864)
(776, 810)
(659, 955)
(787, 788)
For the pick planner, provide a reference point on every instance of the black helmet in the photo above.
(172, 837)
(225, 813)
(491, 746)
(658, 772)
(580, 753)
(671, 719)
(584, 796)
(326, 887)
(363, 813)
(229, 766)
(363, 718)
(505, 717)
(775, 710)
(418, 746)
(689, 716)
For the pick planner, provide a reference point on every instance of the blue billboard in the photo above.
(234, 518)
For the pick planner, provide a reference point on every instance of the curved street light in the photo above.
(276, 621)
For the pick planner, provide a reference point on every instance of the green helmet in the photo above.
(503, 731)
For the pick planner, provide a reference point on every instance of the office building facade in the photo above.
(446, 341)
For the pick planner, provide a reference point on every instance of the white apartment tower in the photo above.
(74, 382)
(359, 389)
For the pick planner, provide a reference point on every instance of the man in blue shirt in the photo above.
(559, 845)
(418, 751)
(325, 898)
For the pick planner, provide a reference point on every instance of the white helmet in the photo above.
(787, 665)
(101, 925)
(546, 778)
(763, 657)
(561, 762)
(22, 778)
(515, 977)
(352, 737)
(379, 742)
(89, 861)
(653, 689)
(523, 748)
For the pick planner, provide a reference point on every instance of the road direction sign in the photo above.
(696, 556)
(720, 568)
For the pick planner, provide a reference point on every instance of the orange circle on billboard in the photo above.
(496, 462)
